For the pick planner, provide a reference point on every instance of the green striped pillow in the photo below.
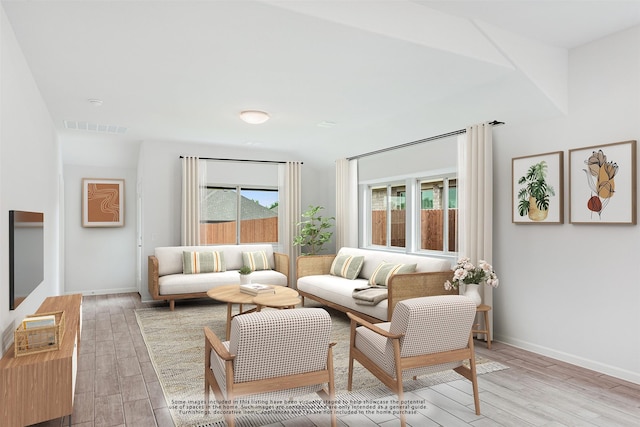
(202, 262)
(256, 260)
(385, 270)
(347, 266)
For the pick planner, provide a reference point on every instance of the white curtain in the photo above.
(346, 203)
(475, 197)
(193, 186)
(289, 212)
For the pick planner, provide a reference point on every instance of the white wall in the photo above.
(438, 155)
(29, 172)
(571, 291)
(159, 178)
(99, 260)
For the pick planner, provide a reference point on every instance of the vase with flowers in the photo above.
(465, 273)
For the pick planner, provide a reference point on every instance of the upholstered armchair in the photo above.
(274, 354)
(425, 335)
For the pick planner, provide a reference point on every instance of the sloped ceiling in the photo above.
(338, 78)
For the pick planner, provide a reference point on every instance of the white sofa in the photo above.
(314, 281)
(167, 281)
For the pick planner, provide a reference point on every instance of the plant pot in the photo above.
(245, 279)
(471, 290)
(536, 214)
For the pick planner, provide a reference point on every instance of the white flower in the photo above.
(485, 265)
(465, 273)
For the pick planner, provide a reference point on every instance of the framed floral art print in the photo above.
(537, 184)
(602, 184)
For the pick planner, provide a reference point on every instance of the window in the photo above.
(417, 215)
(257, 209)
(438, 215)
(388, 216)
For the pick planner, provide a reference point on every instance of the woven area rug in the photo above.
(175, 341)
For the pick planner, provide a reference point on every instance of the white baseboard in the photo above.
(603, 368)
(103, 291)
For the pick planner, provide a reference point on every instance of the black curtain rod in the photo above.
(420, 141)
(242, 160)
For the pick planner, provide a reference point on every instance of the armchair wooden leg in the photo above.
(206, 396)
(331, 386)
(207, 367)
(474, 375)
(352, 346)
(399, 389)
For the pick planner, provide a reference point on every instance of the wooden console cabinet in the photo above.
(40, 387)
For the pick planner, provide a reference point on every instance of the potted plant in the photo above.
(313, 230)
(245, 274)
(533, 198)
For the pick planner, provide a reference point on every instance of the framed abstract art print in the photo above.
(102, 202)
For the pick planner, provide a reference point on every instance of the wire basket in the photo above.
(32, 340)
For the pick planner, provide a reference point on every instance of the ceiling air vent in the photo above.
(94, 127)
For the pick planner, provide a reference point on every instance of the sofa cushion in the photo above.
(170, 257)
(347, 266)
(373, 258)
(202, 262)
(385, 270)
(256, 260)
(339, 290)
(172, 284)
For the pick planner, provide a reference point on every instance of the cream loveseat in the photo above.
(172, 278)
(316, 281)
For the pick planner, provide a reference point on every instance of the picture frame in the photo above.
(538, 174)
(602, 184)
(102, 202)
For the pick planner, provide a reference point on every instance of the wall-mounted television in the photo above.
(26, 254)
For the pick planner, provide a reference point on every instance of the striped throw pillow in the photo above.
(202, 262)
(385, 270)
(347, 266)
(256, 260)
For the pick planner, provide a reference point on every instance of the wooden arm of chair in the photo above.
(281, 262)
(154, 288)
(311, 265)
(212, 341)
(355, 320)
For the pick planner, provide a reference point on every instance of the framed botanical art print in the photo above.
(602, 184)
(537, 185)
(102, 202)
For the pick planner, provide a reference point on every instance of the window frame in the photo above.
(445, 179)
(238, 188)
(413, 206)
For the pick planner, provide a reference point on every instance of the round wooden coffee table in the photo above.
(231, 294)
(287, 298)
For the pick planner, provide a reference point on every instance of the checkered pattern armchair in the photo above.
(274, 354)
(425, 335)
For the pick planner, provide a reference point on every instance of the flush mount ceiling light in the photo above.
(254, 117)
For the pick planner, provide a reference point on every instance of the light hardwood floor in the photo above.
(117, 385)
